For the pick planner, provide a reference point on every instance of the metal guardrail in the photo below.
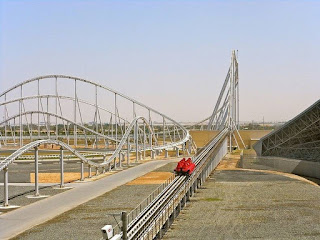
(143, 205)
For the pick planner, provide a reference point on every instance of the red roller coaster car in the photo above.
(185, 167)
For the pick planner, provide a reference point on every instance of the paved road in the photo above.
(17, 221)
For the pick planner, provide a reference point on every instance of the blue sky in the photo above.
(171, 55)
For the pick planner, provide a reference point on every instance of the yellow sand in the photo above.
(151, 178)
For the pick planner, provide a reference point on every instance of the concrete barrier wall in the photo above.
(299, 167)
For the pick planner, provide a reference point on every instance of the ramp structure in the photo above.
(299, 138)
(226, 111)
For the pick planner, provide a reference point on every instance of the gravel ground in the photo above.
(237, 204)
(86, 220)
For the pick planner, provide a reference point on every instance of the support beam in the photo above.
(6, 192)
(61, 168)
(124, 219)
(36, 171)
(90, 173)
(177, 152)
(166, 154)
(82, 171)
(136, 141)
(128, 150)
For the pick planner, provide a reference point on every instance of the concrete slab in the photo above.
(249, 204)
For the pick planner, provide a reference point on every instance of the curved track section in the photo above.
(10, 159)
(80, 115)
(83, 114)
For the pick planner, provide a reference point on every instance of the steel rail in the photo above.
(61, 97)
(123, 141)
(11, 158)
(146, 217)
(33, 144)
(182, 190)
(138, 227)
(62, 118)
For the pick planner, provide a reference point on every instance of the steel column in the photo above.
(136, 140)
(124, 218)
(61, 168)
(128, 150)
(6, 192)
(36, 166)
(75, 114)
(82, 171)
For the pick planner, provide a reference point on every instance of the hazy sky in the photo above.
(171, 55)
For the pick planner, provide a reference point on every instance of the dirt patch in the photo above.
(55, 177)
(151, 178)
(210, 199)
(229, 162)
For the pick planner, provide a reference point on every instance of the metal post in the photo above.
(5, 118)
(36, 166)
(6, 192)
(82, 171)
(115, 118)
(56, 87)
(61, 168)
(124, 219)
(31, 129)
(166, 153)
(230, 141)
(128, 150)
(48, 119)
(164, 132)
(20, 118)
(188, 194)
(89, 171)
(96, 118)
(144, 140)
(38, 108)
(136, 140)
(75, 114)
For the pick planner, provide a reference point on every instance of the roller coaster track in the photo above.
(149, 222)
(60, 113)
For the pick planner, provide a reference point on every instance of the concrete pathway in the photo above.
(17, 221)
